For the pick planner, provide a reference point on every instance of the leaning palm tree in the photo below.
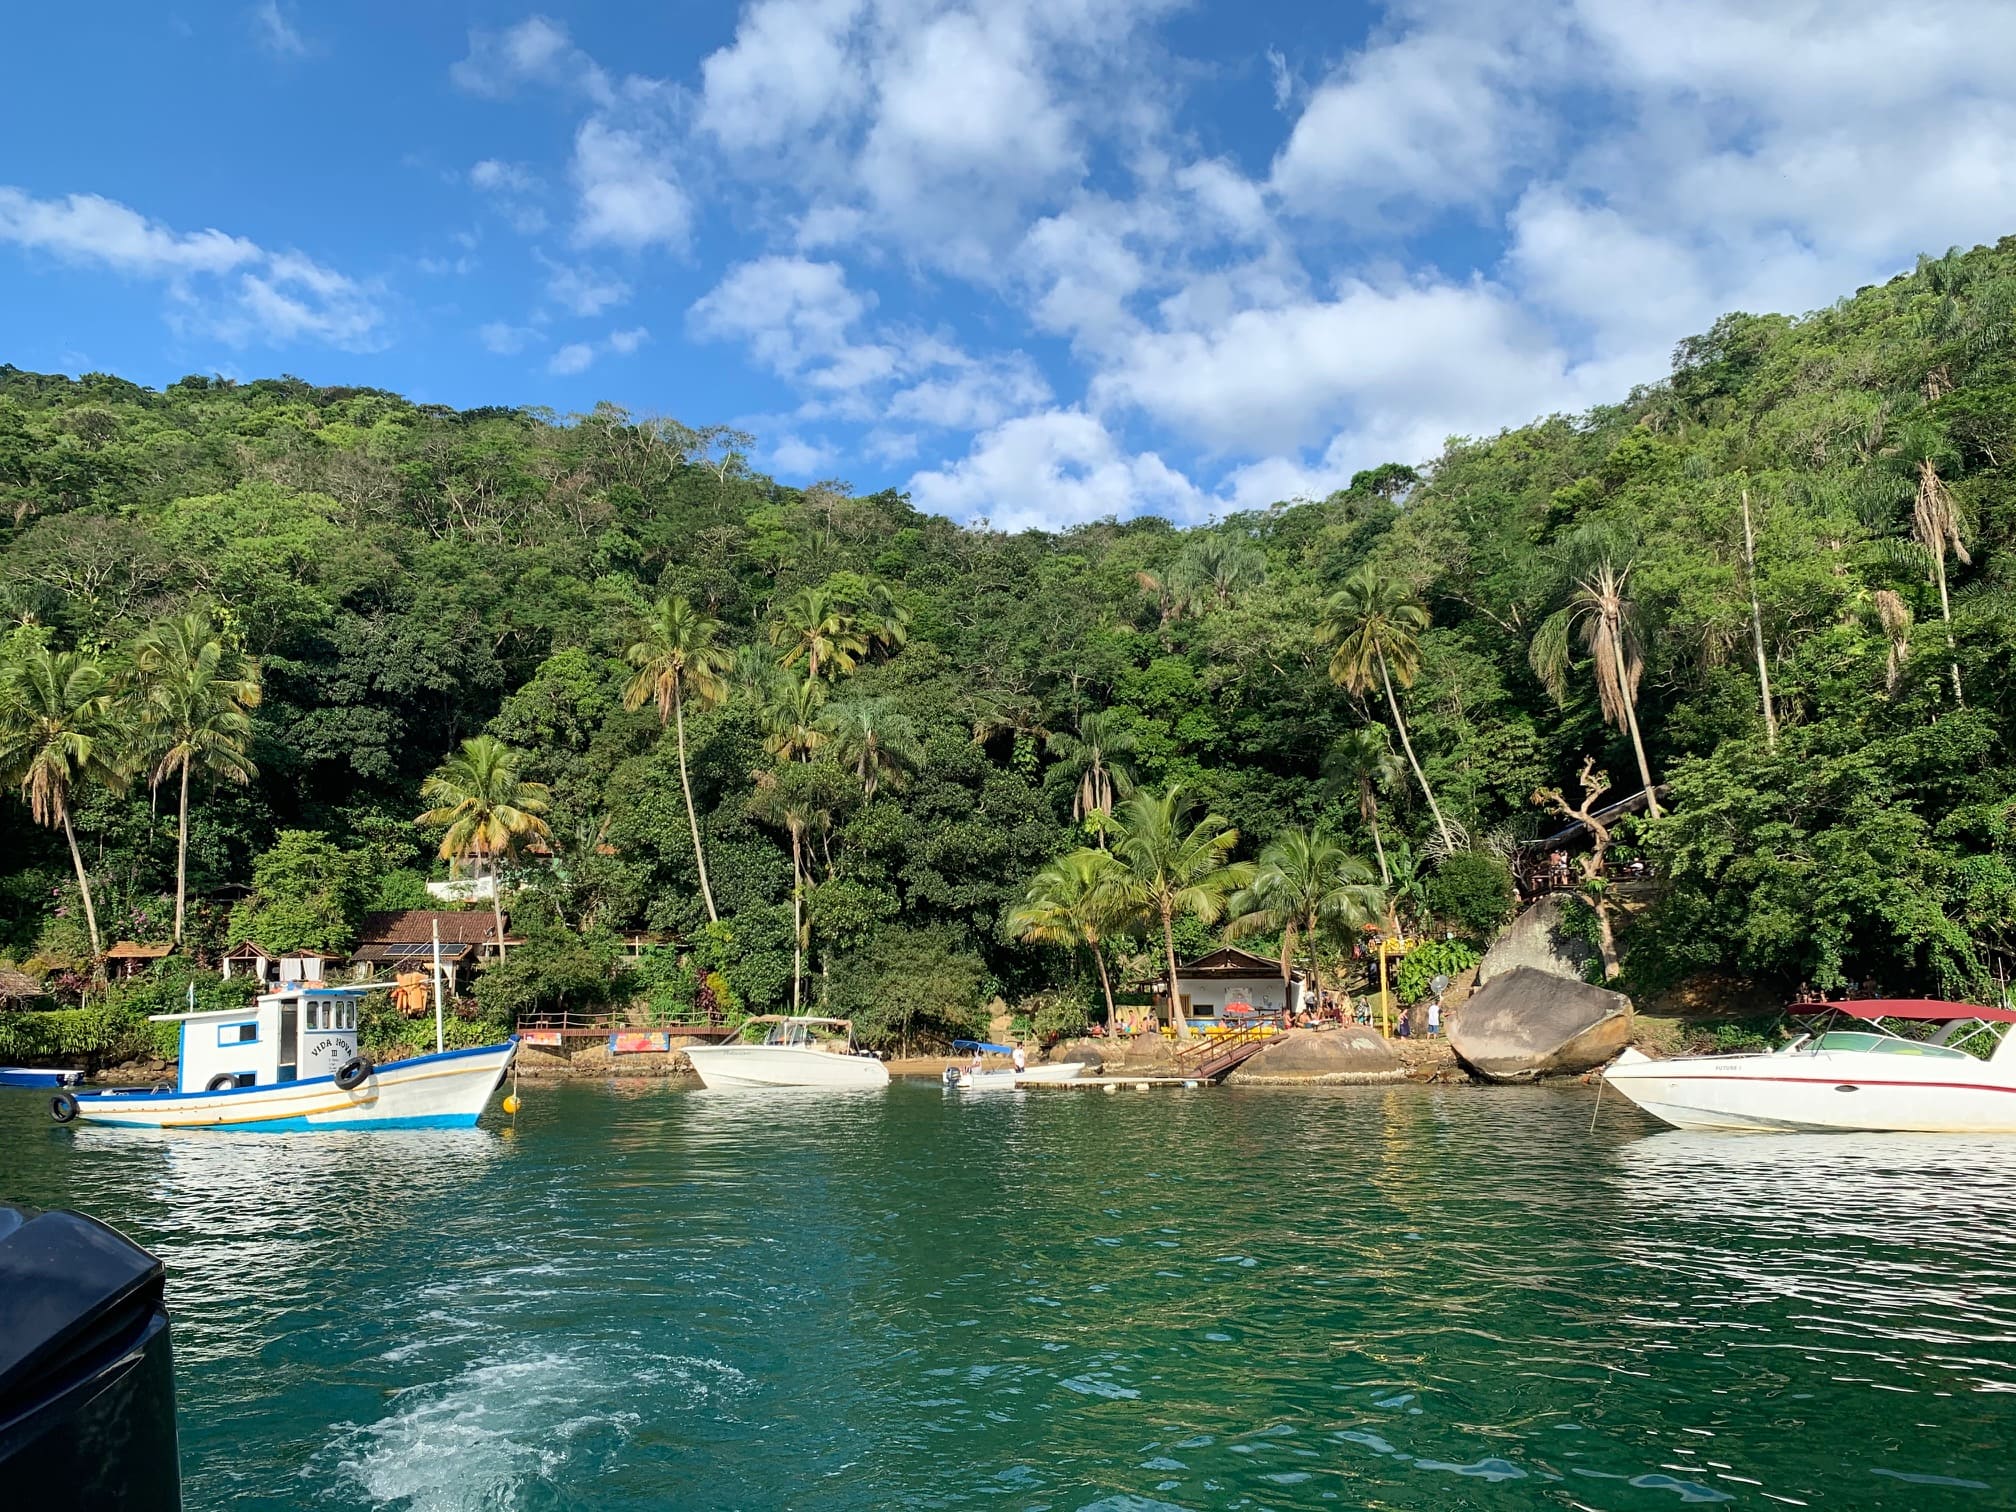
(486, 808)
(1378, 629)
(1365, 759)
(1599, 606)
(58, 730)
(1094, 762)
(1171, 865)
(196, 697)
(879, 744)
(1304, 885)
(678, 657)
(817, 629)
(789, 811)
(1075, 900)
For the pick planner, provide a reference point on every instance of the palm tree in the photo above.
(1408, 887)
(486, 809)
(58, 730)
(1304, 883)
(880, 744)
(1213, 568)
(791, 813)
(882, 619)
(1936, 523)
(1378, 628)
(1078, 899)
(1093, 762)
(196, 694)
(790, 716)
(817, 630)
(1601, 608)
(678, 656)
(1365, 759)
(1169, 865)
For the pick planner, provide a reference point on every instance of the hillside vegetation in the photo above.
(890, 722)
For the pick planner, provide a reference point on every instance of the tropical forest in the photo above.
(275, 655)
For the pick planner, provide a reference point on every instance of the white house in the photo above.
(1212, 983)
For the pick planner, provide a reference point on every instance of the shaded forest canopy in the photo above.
(409, 576)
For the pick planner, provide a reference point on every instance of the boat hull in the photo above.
(31, 1076)
(445, 1091)
(735, 1066)
(1008, 1080)
(1824, 1091)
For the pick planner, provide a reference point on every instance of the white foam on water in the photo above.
(476, 1440)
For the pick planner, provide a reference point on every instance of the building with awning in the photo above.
(1225, 979)
(126, 959)
(403, 940)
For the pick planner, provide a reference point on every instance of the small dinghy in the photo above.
(35, 1076)
(986, 1078)
(289, 1063)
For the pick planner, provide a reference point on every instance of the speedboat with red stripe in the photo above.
(1883, 1064)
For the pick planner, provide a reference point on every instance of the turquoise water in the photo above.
(1396, 1297)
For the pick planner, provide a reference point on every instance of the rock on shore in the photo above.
(1325, 1057)
(1536, 939)
(1530, 1023)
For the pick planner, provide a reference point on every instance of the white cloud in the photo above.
(275, 32)
(493, 175)
(797, 457)
(789, 70)
(575, 357)
(583, 290)
(623, 343)
(629, 193)
(795, 315)
(579, 356)
(1050, 470)
(535, 51)
(504, 339)
(224, 286)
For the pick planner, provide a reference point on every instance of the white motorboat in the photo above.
(797, 1052)
(290, 1062)
(987, 1078)
(1946, 1068)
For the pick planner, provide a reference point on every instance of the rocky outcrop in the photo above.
(1529, 1023)
(1081, 1051)
(1321, 1057)
(1535, 939)
(1146, 1054)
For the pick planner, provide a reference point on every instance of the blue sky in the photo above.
(1035, 261)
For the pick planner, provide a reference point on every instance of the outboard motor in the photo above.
(87, 1378)
(951, 1076)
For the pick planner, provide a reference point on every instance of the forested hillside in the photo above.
(912, 707)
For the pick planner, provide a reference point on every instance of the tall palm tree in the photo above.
(791, 717)
(1378, 628)
(1305, 882)
(486, 808)
(1075, 900)
(57, 731)
(877, 742)
(196, 697)
(1094, 762)
(1213, 568)
(678, 656)
(1600, 607)
(1936, 523)
(1171, 865)
(791, 813)
(1365, 759)
(882, 618)
(817, 629)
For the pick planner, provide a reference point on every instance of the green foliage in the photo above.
(308, 893)
(1421, 965)
(553, 971)
(1471, 891)
(912, 988)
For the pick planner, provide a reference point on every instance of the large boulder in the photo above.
(1084, 1052)
(1146, 1054)
(1530, 1023)
(1328, 1057)
(1537, 939)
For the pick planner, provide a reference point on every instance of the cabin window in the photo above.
(314, 1020)
(238, 1034)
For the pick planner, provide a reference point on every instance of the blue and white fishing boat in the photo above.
(38, 1076)
(290, 1062)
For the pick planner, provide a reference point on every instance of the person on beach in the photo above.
(1435, 1018)
(1021, 1060)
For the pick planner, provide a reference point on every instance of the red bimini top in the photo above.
(1925, 1009)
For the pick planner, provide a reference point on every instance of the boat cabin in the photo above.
(285, 1036)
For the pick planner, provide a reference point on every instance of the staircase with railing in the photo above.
(1211, 1058)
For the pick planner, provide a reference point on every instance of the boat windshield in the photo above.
(1883, 1044)
(820, 1034)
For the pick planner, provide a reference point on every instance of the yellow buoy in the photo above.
(511, 1103)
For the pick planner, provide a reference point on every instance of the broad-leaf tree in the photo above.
(485, 808)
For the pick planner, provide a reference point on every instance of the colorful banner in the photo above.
(539, 1037)
(654, 1043)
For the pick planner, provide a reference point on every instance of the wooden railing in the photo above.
(1211, 1058)
(613, 1021)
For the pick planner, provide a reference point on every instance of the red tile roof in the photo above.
(415, 926)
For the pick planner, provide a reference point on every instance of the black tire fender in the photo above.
(63, 1107)
(354, 1072)
(223, 1081)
